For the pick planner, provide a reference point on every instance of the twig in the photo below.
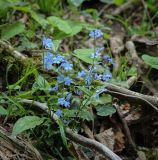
(134, 98)
(92, 144)
(121, 92)
(12, 51)
(125, 126)
(87, 131)
(131, 80)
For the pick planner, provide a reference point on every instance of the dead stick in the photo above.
(12, 51)
(125, 126)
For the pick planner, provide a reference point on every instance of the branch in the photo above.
(87, 142)
(92, 144)
(135, 97)
(12, 51)
(125, 126)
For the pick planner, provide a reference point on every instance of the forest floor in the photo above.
(35, 124)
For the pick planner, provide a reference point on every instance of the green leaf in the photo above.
(119, 2)
(132, 71)
(101, 100)
(12, 30)
(76, 27)
(62, 132)
(84, 55)
(61, 24)
(105, 110)
(76, 3)
(69, 113)
(56, 44)
(151, 61)
(85, 90)
(4, 5)
(41, 84)
(39, 19)
(3, 111)
(26, 123)
(86, 115)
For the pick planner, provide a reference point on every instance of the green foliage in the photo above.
(3, 8)
(40, 84)
(84, 55)
(67, 27)
(50, 6)
(105, 110)
(25, 123)
(132, 71)
(12, 30)
(62, 132)
(76, 3)
(67, 23)
(3, 111)
(86, 115)
(151, 61)
(119, 2)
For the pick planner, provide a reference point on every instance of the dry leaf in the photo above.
(119, 140)
(107, 138)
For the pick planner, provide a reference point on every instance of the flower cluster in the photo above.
(64, 79)
(59, 113)
(97, 53)
(96, 33)
(65, 101)
(63, 67)
(65, 73)
(92, 73)
(47, 43)
(50, 59)
(107, 58)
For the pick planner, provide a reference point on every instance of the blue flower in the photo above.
(107, 58)
(67, 81)
(63, 102)
(58, 59)
(55, 88)
(96, 33)
(78, 92)
(48, 60)
(59, 112)
(47, 43)
(92, 69)
(107, 76)
(67, 104)
(68, 97)
(60, 78)
(81, 74)
(88, 80)
(100, 49)
(97, 53)
(67, 66)
(98, 77)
